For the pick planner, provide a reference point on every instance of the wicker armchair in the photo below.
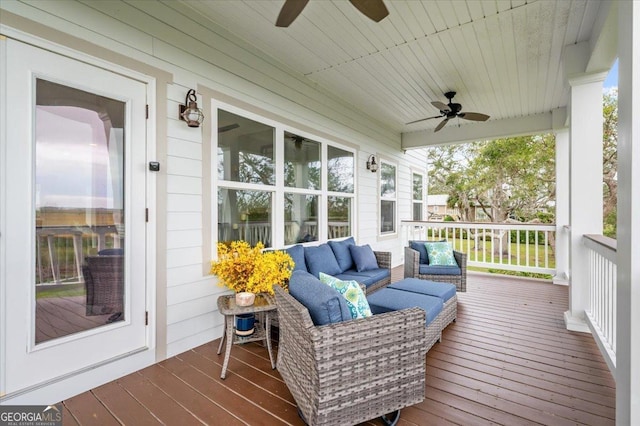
(353, 371)
(104, 282)
(412, 269)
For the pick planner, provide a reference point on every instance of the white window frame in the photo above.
(393, 199)
(279, 189)
(422, 202)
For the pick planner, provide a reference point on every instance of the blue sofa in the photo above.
(345, 260)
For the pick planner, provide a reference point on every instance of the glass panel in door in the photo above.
(79, 210)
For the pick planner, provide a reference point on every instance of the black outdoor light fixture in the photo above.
(372, 164)
(190, 112)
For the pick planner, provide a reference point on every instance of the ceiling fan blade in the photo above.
(227, 128)
(290, 11)
(423, 119)
(372, 9)
(441, 106)
(441, 125)
(474, 116)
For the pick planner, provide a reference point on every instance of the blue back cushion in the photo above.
(420, 248)
(341, 251)
(363, 257)
(325, 304)
(297, 254)
(111, 252)
(321, 259)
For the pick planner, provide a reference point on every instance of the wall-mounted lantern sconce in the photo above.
(372, 164)
(190, 112)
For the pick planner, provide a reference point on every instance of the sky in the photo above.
(612, 77)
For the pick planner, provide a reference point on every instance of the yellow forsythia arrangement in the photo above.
(244, 268)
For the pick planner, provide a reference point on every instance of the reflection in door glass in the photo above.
(79, 210)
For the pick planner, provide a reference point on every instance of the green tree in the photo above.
(507, 178)
(610, 162)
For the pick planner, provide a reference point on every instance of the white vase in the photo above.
(245, 298)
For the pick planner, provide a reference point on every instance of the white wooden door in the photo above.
(73, 217)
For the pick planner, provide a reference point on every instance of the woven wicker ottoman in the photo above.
(391, 299)
(445, 291)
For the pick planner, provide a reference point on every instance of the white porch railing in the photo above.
(507, 246)
(601, 312)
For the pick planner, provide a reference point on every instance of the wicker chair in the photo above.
(104, 282)
(412, 269)
(353, 371)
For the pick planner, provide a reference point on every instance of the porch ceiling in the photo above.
(503, 57)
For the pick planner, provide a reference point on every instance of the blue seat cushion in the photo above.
(325, 304)
(419, 246)
(439, 270)
(444, 291)
(363, 257)
(390, 299)
(342, 253)
(297, 254)
(321, 259)
(366, 277)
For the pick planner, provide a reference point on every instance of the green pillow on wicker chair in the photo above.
(440, 253)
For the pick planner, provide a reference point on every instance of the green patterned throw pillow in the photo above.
(353, 294)
(440, 253)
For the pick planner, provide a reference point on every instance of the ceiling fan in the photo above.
(452, 110)
(373, 9)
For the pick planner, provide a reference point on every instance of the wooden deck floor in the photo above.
(61, 316)
(507, 360)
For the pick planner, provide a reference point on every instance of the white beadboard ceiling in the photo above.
(502, 57)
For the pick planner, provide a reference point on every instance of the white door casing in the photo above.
(25, 364)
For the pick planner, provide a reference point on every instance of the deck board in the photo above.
(508, 359)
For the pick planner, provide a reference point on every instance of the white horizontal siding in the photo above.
(178, 275)
(184, 238)
(184, 220)
(177, 184)
(184, 203)
(184, 149)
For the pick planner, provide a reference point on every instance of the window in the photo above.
(340, 177)
(278, 187)
(418, 196)
(388, 196)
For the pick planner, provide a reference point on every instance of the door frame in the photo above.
(156, 81)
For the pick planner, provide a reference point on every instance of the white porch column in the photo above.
(585, 176)
(628, 285)
(563, 240)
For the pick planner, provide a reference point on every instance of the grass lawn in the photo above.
(61, 290)
(518, 256)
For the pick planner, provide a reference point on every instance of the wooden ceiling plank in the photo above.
(461, 11)
(503, 5)
(272, 42)
(510, 93)
(409, 21)
(421, 11)
(545, 43)
(476, 73)
(476, 11)
(435, 15)
(448, 13)
(403, 60)
(332, 25)
(494, 58)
